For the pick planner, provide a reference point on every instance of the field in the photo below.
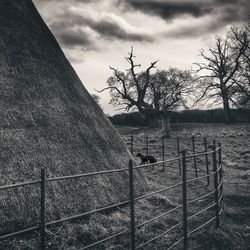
(234, 232)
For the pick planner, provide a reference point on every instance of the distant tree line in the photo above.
(186, 116)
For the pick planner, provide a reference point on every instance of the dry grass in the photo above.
(234, 232)
(235, 139)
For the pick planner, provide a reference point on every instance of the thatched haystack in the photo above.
(48, 120)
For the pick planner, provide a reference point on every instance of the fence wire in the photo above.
(181, 158)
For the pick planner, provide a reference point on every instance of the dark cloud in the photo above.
(192, 31)
(76, 38)
(71, 32)
(171, 9)
(110, 29)
(167, 9)
(80, 1)
(230, 13)
(71, 36)
(216, 13)
(236, 13)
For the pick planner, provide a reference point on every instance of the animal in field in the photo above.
(146, 159)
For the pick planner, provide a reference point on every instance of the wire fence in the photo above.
(181, 159)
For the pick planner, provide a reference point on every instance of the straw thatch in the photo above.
(48, 120)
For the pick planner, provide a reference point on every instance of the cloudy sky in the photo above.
(97, 33)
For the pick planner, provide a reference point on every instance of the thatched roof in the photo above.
(49, 120)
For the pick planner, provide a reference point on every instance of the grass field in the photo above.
(234, 232)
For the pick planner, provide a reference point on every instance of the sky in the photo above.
(96, 34)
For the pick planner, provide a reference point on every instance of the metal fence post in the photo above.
(178, 152)
(195, 163)
(132, 206)
(132, 144)
(42, 210)
(163, 154)
(206, 157)
(221, 175)
(184, 201)
(216, 196)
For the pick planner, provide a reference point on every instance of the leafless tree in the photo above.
(168, 90)
(129, 89)
(152, 94)
(218, 69)
(242, 78)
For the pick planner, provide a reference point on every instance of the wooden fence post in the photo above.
(184, 201)
(206, 157)
(195, 163)
(42, 210)
(216, 196)
(132, 144)
(132, 206)
(221, 175)
(178, 151)
(163, 154)
(147, 144)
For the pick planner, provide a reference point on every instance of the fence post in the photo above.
(132, 206)
(132, 144)
(216, 196)
(147, 144)
(163, 154)
(42, 210)
(206, 156)
(221, 175)
(195, 164)
(184, 201)
(178, 151)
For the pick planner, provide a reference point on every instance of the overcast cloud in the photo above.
(97, 33)
(88, 24)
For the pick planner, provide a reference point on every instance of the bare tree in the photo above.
(218, 70)
(152, 94)
(129, 90)
(169, 88)
(242, 78)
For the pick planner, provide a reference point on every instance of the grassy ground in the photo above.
(234, 232)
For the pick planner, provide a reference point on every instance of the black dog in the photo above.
(146, 159)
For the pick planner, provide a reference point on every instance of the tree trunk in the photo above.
(227, 110)
(166, 130)
(226, 107)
